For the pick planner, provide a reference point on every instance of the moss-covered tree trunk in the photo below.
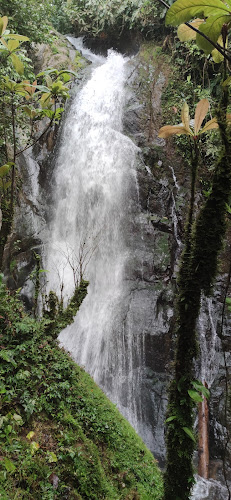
(7, 219)
(197, 272)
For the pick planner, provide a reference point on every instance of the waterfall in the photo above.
(211, 489)
(209, 340)
(96, 226)
(95, 195)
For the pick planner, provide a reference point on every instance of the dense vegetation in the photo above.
(96, 17)
(28, 17)
(60, 437)
(204, 235)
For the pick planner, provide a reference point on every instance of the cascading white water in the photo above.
(205, 489)
(209, 340)
(95, 183)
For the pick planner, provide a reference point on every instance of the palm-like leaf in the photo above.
(185, 128)
(211, 124)
(185, 116)
(200, 114)
(169, 130)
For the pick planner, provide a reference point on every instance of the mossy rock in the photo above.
(60, 437)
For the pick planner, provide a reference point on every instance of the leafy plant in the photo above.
(24, 103)
(10, 44)
(186, 127)
(199, 260)
(28, 17)
(216, 21)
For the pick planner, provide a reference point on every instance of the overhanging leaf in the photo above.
(51, 71)
(4, 185)
(189, 433)
(4, 43)
(212, 29)
(4, 169)
(31, 112)
(48, 80)
(65, 77)
(30, 435)
(211, 124)
(34, 447)
(30, 88)
(227, 81)
(13, 44)
(18, 419)
(169, 130)
(52, 457)
(170, 419)
(8, 356)
(184, 10)
(13, 36)
(200, 113)
(17, 63)
(3, 24)
(45, 99)
(217, 56)
(199, 386)
(195, 396)
(67, 71)
(185, 33)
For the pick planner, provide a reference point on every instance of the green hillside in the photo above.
(60, 437)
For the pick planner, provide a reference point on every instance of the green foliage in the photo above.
(203, 243)
(215, 14)
(59, 17)
(185, 10)
(28, 17)
(59, 434)
(200, 388)
(193, 78)
(228, 302)
(10, 45)
(98, 17)
(23, 102)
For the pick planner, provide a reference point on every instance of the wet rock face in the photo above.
(127, 43)
(163, 196)
(208, 490)
(155, 240)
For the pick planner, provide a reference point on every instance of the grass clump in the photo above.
(60, 437)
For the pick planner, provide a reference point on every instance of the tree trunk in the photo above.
(203, 431)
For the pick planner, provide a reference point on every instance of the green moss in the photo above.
(81, 447)
(7, 219)
(162, 250)
(78, 61)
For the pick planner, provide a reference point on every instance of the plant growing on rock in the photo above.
(191, 128)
